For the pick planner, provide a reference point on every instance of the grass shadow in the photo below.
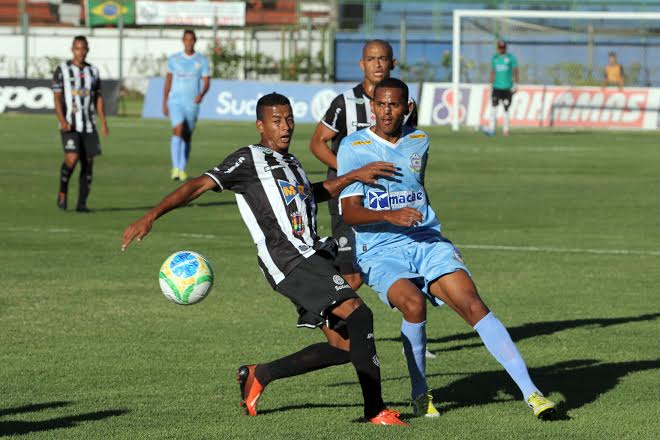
(19, 427)
(146, 208)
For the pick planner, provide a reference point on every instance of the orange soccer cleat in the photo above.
(388, 417)
(251, 389)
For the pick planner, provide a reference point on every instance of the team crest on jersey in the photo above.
(297, 224)
(290, 191)
(362, 142)
(416, 162)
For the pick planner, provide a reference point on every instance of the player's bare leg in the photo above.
(353, 279)
(459, 292)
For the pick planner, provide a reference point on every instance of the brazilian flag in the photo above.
(107, 12)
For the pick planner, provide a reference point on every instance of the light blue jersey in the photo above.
(187, 71)
(385, 252)
(409, 154)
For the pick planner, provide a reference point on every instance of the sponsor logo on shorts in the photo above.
(338, 279)
(376, 360)
(343, 241)
(70, 145)
(381, 200)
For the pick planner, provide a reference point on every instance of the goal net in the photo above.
(562, 57)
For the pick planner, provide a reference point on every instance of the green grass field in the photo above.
(561, 231)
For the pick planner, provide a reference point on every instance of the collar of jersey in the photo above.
(386, 142)
(189, 57)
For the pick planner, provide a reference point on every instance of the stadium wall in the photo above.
(546, 106)
(144, 50)
(236, 100)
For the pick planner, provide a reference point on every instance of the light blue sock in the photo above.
(176, 144)
(498, 342)
(413, 336)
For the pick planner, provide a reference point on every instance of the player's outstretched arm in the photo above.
(355, 214)
(369, 174)
(186, 193)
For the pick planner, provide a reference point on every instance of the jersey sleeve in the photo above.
(514, 62)
(170, 64)
(58, 80)
(334, 117)
(347, 161)
(97, 84)
(234, 172)
(205, 67)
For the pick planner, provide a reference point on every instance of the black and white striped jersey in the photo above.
(80, 87)
(277, 204)
(351, 111)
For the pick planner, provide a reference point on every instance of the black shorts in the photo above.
(501, 95)
(345, 237)
(315, 287)
(82, 143)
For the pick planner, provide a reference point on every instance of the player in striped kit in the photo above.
(77, 89)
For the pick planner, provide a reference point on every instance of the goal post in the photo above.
(519, 19)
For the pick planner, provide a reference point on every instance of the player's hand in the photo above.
(370, 173)
(65, 126)
(198, 99)
(104, 129)
(166, 111)
(136, 231)
(407, 217)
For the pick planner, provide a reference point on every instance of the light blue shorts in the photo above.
(421, 262)
(180, 113)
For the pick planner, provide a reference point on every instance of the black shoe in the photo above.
(83, 208)
(61, 201)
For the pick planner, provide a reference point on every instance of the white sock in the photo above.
(493, 119)
(505, 127)
(498, 342)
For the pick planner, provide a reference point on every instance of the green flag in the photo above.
(107, 12)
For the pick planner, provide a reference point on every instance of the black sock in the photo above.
(85, 182)
(311, 358)
(65, 174)
(360, 325)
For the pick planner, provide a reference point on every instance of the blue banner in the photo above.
(237, 100)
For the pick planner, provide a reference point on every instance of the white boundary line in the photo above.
(486, 247)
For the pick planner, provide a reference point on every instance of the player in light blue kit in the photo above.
(402, 254)
(181, 99)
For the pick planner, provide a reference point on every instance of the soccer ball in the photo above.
(186, 277)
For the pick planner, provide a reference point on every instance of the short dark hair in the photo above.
(387, 45)
(393, 83)
(191, 32)
(268, 101)
(80, 38)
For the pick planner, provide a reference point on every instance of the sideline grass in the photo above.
(92, 350)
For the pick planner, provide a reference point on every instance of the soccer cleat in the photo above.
(61, 200)
(543, 408)
(251, 389)
(423, 406)
(183, 175)
(83, 208)
(174, 174)
(388, 417)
